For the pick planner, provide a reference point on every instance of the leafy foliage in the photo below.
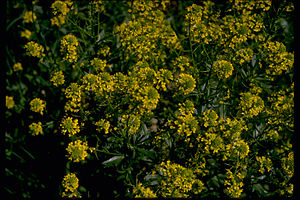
(150, 98)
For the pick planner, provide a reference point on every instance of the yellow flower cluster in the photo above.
(70, 126)
(143, 192)
(36, 128)
(26, 33)
(178, 181)
(234, 184)
(97, 5)
(130, 123)
(17, 67)
(148, 96)
(164, 78)
(103, 125)
(182, 62)
(186, 122)
(210, 118)
(99, 65)
(105, 51)
(29, 17)
(244, 56)
(34, 49)
(202, 23)
(223, 69)
(73, 93)
(147, 35)
(77, 151)
(234, 128)
(9, 102)
(288, 164)
(238, 148)
(265, 164)
(282, 112)
(251, 104)
(252, 5)
(58, 78)
(37, 105)
(277, 58)
(69, 44)
(186, 83)
(70, 183)
(60, 9)
(213, 142)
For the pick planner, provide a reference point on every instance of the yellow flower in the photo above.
(58, 78)
(70, 182)
(61, 7)
(34, 49)
(99, 65)
(10, 103)
(265, 163)
(77, 150)
(73, 92)
(186, 83)
(29, 17)
(234, 184)
(149, 97)
(26, 33)
(17, 67)
(37, 105)
(131, 123)
(58, 20)
(70, 126)
(143, 192)
(182, 62)
(251, 105)
(68, 47)
(223, 69)
(103, 125)
(36, 128)
(288, 164)
(164, 78)
(178, 181)
(210, 118)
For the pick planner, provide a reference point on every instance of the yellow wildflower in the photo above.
(26, 33)
(58, 78)
(186, 83)
(70, 126)
(10, 103)
(103, 125)
(223, 69)
(29, 17)
(143, 192)
(36, 128)
(34, 49)
(37, 105)
(17, 67)
(68, 48)
(77, 150)
(70, 183)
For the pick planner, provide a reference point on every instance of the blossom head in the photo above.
(36, 128)
(10, 103)
(77, 150)
(34, 49)
(70, 126)
(223, 69)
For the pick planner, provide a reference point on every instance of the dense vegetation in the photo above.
(149, 99)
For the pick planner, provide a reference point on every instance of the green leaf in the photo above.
(115, 160)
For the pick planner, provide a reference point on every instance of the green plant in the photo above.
(158, 98)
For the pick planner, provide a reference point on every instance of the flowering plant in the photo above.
(154, 98)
